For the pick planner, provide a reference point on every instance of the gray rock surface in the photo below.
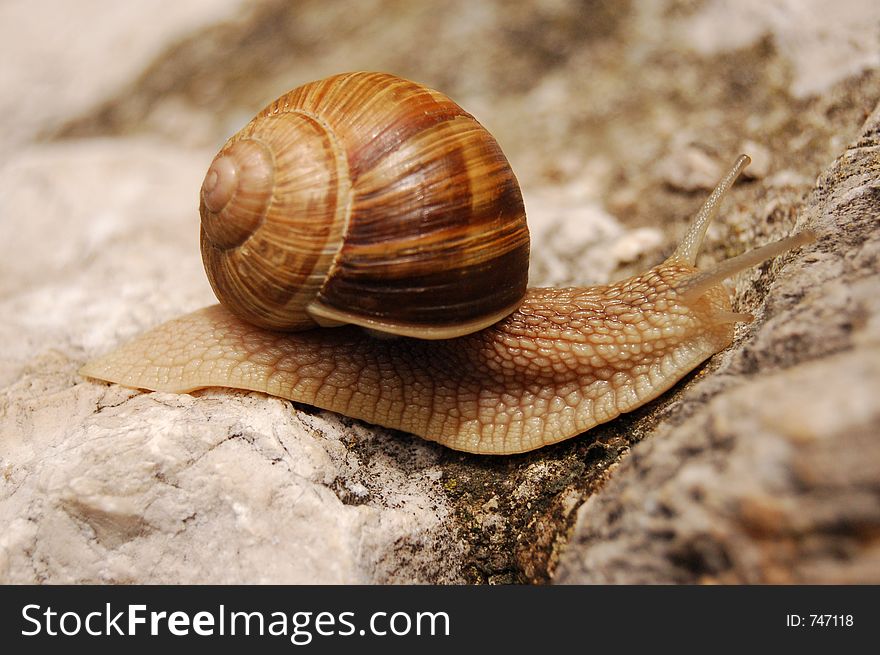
(761, 466)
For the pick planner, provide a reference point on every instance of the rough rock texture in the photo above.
(761, 466)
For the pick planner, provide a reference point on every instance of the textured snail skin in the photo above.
(566, 360)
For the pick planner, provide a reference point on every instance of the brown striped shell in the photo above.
(364, 198)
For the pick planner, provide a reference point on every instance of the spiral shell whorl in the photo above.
(236, 193)
(267, 251)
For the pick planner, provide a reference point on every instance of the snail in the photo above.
(366, 238)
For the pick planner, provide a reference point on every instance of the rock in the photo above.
(52, 89)
(824, 44)
(690, 169)
(190, 492)
(578, 241)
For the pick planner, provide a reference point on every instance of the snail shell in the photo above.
(365, 199)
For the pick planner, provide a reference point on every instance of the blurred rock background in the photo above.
(618, 117)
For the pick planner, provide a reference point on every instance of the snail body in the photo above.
(539, 366)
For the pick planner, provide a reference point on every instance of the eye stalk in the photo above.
(694, 286)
